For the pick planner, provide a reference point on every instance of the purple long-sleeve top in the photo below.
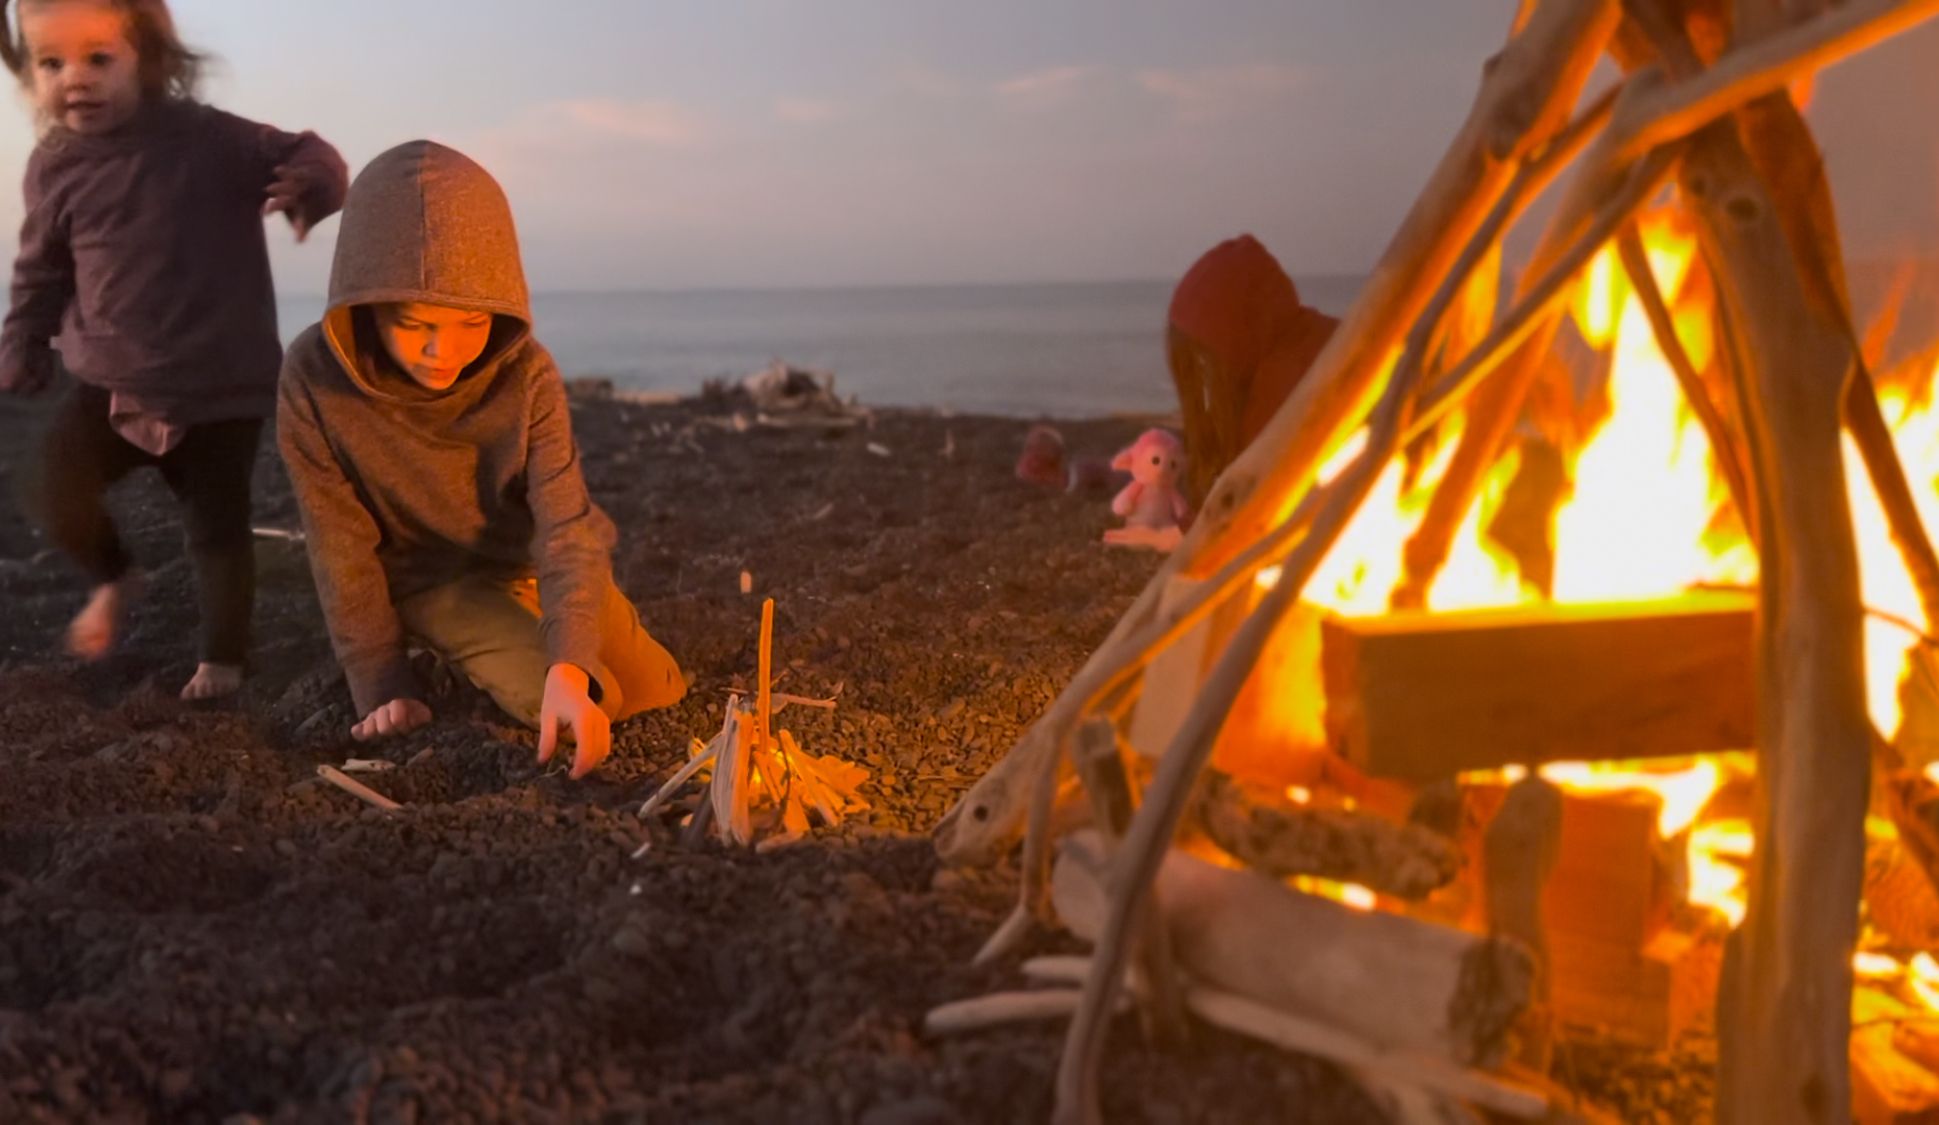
(144, 262)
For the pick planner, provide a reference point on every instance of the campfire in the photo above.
(1532, 672)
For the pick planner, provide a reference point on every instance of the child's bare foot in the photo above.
(93, 630)
(213, 681)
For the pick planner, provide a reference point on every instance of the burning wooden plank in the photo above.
(1422, 697)
(1616, 962)
(1613, 881)
(1648, 996)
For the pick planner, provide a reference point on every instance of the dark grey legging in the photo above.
(208, 471)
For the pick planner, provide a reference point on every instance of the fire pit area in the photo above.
(1557, 656)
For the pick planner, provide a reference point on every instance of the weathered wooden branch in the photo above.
(700, 760)
(1101, 768)
(1726, 448)
(1764, 67)
(357, 789)
(1034, 878)
(1519, 851)
(1278, 838)
(960, 1017)
(1250, 1018)
(1784, 1001)
(728, 792)
(1243, 1016)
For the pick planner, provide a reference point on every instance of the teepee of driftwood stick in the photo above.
(761, 785)
(1703, 105)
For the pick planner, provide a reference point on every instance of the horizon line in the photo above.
(1299, 278)
(865, 287)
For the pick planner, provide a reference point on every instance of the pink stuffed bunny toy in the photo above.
(1152, 499)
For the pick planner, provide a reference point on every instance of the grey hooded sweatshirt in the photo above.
(402, 488)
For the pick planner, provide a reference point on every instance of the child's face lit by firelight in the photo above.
(87, 76)
(433, 344)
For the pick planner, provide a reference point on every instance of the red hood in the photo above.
(1236, 302)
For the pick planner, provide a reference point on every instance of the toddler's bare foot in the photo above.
(213, 681)
(93, 630)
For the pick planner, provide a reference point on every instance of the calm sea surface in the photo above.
(1026, 350)
(1057, 350)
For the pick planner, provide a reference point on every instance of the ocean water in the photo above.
(1075, 350)
(1070, 350)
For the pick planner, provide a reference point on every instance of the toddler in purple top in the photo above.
(143, 266)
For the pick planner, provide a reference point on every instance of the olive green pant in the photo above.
(489, 628)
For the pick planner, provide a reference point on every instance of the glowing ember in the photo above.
(1357, 896)
(1924, 980)
(1876, 966)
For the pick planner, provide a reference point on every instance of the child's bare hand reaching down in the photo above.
(568, 703)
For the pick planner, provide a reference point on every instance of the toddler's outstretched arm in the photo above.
(301, 174)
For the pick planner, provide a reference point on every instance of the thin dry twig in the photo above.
(357, 789)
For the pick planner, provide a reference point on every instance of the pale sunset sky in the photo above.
(753, 143)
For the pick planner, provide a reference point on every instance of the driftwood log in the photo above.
(1397, 983)
(1785, 995)
(1383, 1072)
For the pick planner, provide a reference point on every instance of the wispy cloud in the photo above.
(1213, 92)
(1042, 87)
(806, 111)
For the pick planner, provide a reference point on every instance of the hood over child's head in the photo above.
(427, 288)
(91, 64)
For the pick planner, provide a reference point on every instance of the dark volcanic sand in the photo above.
(191, 928)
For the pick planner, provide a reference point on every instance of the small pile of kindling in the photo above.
(759, 784)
